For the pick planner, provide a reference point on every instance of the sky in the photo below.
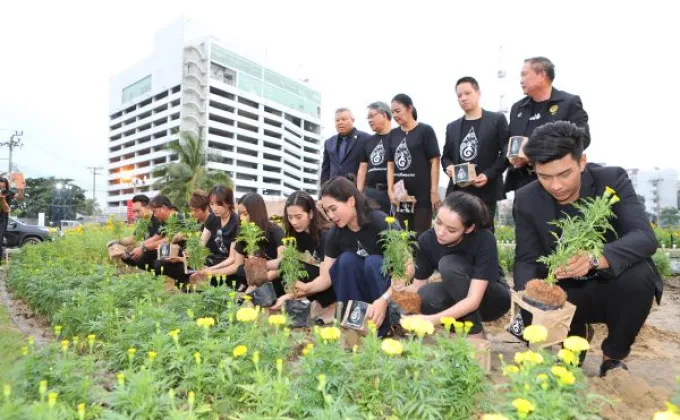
(622, 58)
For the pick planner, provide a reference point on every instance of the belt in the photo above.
(379, 186)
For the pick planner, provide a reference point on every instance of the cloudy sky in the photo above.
(622, 59)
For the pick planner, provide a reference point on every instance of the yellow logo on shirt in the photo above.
(553, 109)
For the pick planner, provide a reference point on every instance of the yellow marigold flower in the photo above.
(392, 347)
(276, 320)
(371, 326)
(191, 398)
(528, 357)
(197, 358)
(57, 330)
(240, 350)
(91, 338)
(615, 199)
(7, 390)
(256, 357)
(458, 326)
(608, 192)
(494, 417)
(559, 371)
(247, 298)
(523, 406)
(152, 355)
(567, 378)
(510, 369)
(330, 333)
(576, 344)
(64, 345)
(535, 333)
(467, 326)
(279, 365)
(246, 315)
(81, 411)
(52, 399)
(666, 415)
(190, 313)
(389, 220)
(424, 327)
(322, 382)
(31, 340)
(355, 349)
(205, 322)
(568, 357)
(308, 349)
(24, 350)
(131, 352)
(407, 324)
(42, 389)
(174, 334)
(447, 321)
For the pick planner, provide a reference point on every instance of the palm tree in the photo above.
(177, 180)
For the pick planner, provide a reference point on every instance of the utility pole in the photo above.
(14, 141)
(95, 171)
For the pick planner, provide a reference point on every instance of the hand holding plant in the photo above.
(291, 268)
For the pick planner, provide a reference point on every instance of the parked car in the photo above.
(20, 234)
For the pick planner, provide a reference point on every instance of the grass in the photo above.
(11, 341)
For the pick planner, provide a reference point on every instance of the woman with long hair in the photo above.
(414, 159)
(463, 249)
(303, 221)
(352, 254)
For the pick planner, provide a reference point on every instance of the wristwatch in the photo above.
(143, 247)
(594, 262)
(386, 296)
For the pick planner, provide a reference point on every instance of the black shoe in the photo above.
(610, 364)
(590, 333)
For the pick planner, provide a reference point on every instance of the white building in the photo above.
(659, 187)
(264, 126)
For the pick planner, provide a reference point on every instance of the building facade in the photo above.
(260, 126)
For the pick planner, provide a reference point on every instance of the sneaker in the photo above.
(610, 364)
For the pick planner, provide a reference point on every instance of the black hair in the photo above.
(341, 189)
(469, 208)
(5, 180)
(555, 140)
(161, 201)
(406, 100)
(141, 198)
(222, 196)
(469, 79)
(544, 65)
(306, 202)
(257, 210)
(199, 200)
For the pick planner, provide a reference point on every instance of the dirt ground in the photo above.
(654, 363)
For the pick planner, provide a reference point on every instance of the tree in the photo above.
(87, 207)
(42, 196)
(177, 180)
(669, 217)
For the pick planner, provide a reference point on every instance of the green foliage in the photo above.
(177, 180)
(252, 235)
(669, 217)
(142, 226)
(506, 257)
(397, 248)
(38, 199)
(581, 233)
(197, 253)
(505, 233)
(291, 267)
(662, 262)
(663, 236)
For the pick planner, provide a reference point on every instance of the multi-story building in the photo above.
(263, 127)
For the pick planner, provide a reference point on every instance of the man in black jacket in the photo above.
(341, 153)
(542, 104)
(616, 289)
(477, 138)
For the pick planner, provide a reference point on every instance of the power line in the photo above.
(95, 171)
(13, 142)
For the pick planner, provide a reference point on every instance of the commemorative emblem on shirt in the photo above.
(378, 154)
(468, 147)
(553, 109)
(402, 156)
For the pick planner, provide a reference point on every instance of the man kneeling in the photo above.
(616, 289)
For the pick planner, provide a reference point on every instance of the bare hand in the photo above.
(450, 170)
(436, 201)
(518, 162)
(393, 199)
(174, 260)
(136, 254)
(480, 181)
(578, 266)
(376, 312)
(280, 301)
(301, 289)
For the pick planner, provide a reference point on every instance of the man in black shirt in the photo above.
(341, 152)
(618, 287)
(372, 175)
(6, 196)
(477, 138)
(144, 256)
(542, 104)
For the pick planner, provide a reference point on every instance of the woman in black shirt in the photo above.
(464, 251)
(352, 253)
(414, 159)
(303, 221)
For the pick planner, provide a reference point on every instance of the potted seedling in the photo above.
(123, 246)
(255, 266)
(397, 256)
(194, 253)
(172, 230)
(584, 232)
(292, 269)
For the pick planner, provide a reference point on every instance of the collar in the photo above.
(555, 97)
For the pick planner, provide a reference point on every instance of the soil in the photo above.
(256, 271)
(654, 362)
(409, 302)
(542, 292)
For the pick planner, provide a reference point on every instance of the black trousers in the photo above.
(419, 221)
(456, 279)
(326, 297)
(622, 303)
(145, 262)
(4, 220)
(380, 197)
